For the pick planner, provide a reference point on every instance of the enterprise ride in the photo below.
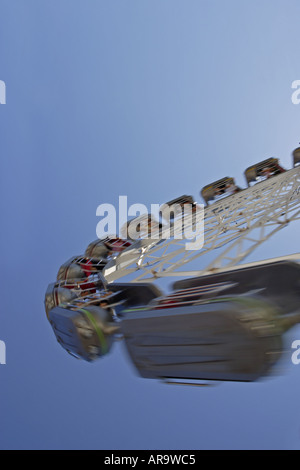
(224, 322)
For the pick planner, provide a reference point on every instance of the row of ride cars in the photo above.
(254, 174)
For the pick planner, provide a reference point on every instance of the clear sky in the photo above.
(150, 99)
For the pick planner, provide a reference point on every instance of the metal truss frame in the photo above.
(235, 226)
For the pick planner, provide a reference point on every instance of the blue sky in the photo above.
(149, 99)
